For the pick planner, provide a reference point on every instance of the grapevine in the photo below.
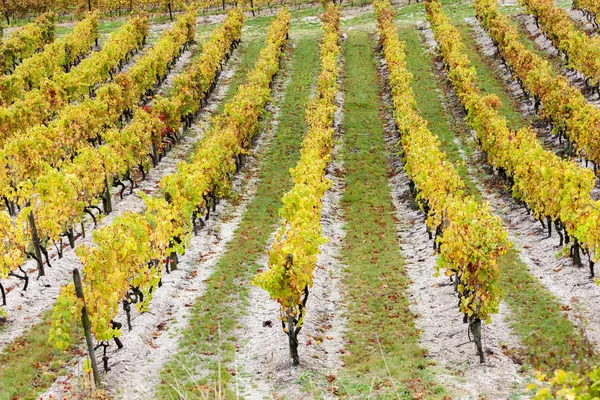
(60, 195)
(81, 125)
(551, 188)
(581, 51)
(155, 232)
(56, 57)
(40, 105)
(571, 385)
(25, 41)
(563, 104)
(293, 256)
(470, 238)
(13, 246)
(590, 8)
(121, 6)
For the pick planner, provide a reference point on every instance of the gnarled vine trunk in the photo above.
(295, 320)
(475, 329)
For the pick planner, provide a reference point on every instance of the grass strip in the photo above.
(379, 319)
(30, 364)
(419, 63)
(251, 53)
(488, 80)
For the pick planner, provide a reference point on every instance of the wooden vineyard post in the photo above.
(173, 261)
(106, 197)
(35, 239)
(85, 320)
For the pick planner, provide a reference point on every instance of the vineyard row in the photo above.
(562, 104)
(41, 105)
(25, 41)
(550, 187)
(581, 52)
(56, 198)
(469, 238)
(293, 255)
(56, 57)
(129, 254)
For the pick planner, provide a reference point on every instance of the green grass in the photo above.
(375, 280)
(455, 10)
(458, 10)
(156, 17)
(29, 365)
(251, 52)
(489, 81)
(366, 21)
(412, 13)
(214, 315)
(311, 384)
(306, 19)
(60, 31)
(548, 337)
(105, 28)
(204, 31)
(426, 89)
(109, 26)
(303, 19)
(259, 22)
(357, 3)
